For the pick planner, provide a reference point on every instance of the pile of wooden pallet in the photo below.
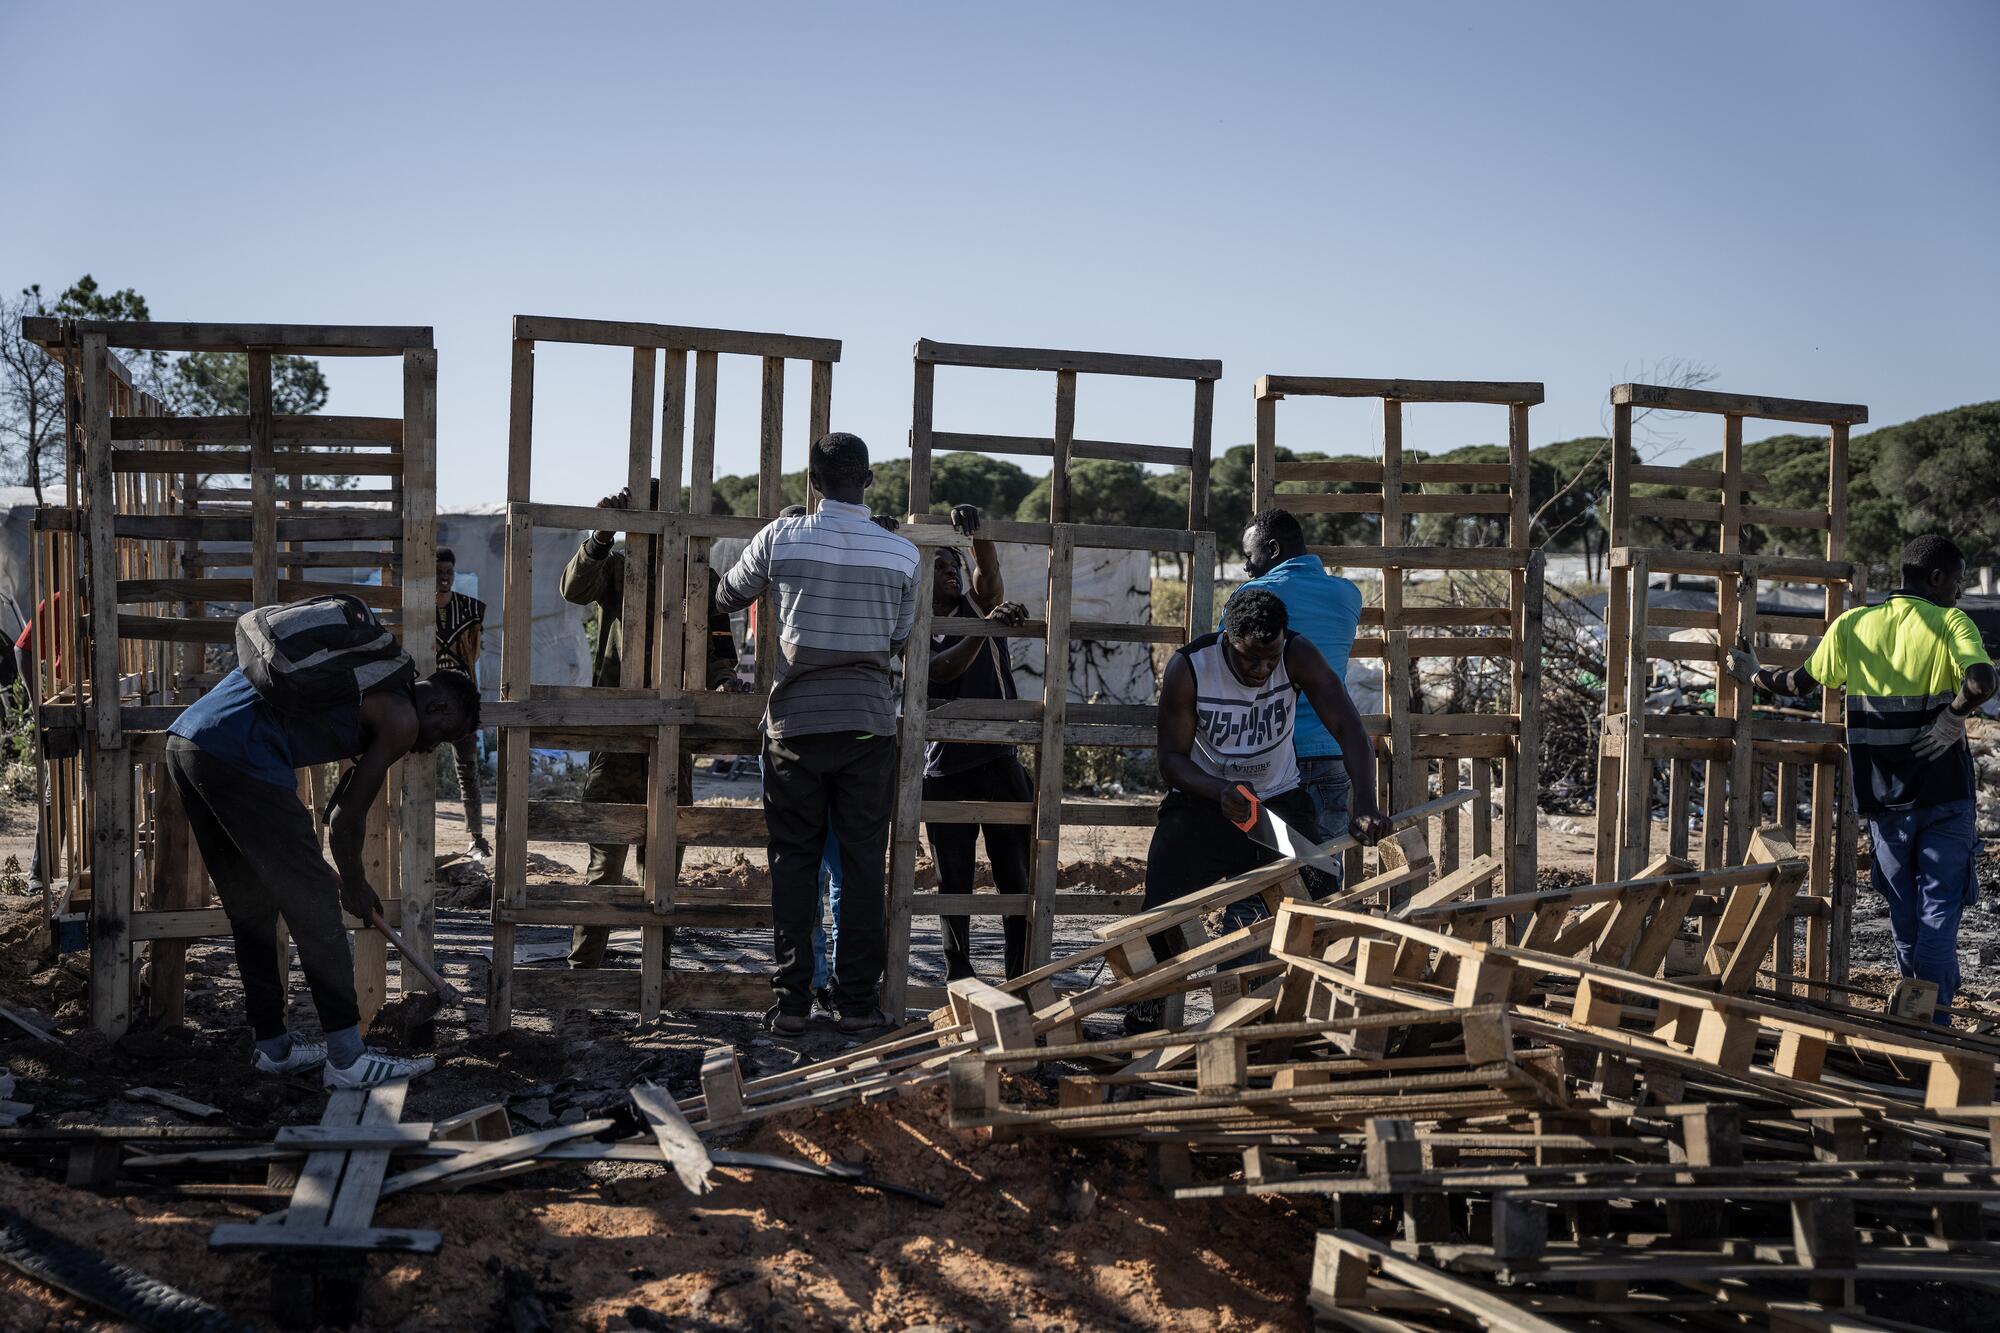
(1568, 1108)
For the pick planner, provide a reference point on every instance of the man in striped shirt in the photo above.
(845, 597)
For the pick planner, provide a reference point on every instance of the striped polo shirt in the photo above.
(1901, 663)
(846, 595)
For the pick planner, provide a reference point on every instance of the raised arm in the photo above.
(1321, 685)
(593, 575)
(748, 577)
(988, 588)
(391, 723)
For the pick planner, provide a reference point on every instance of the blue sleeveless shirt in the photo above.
(234, 724)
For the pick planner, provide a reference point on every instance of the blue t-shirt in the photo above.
(1326, 610)
(234, 724)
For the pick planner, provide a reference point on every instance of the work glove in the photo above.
(1743, 663)
(1944, 732)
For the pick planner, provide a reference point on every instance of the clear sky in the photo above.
(1804, 196)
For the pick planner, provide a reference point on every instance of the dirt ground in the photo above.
(1031, 1234)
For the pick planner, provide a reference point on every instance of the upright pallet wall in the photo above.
(1403, 635)
(1745, 757)
(155, 579)
(661, 706)
(1050, 724)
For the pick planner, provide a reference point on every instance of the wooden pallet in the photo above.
(161, 560)
(1403, 636)
(1742, 755)
(661, 707)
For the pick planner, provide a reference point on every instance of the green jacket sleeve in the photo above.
(586, 580)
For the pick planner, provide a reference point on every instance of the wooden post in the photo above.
(921, 409)
(418, 810)
(1199, 446)
(263, 485)
(1635, 768)
(1064, 441)
(510, 861)
(1617, 691)
(1049, 757)
(905, 827)
(1265, 475)
(1521, 796)
(1397, 687)
(114, 811)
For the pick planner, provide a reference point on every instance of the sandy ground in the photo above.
(1031, 1234)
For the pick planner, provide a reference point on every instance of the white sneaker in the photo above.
(375, 1067)
(303, 1055)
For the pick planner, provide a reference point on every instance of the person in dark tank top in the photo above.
(1228, 702)
(965, 666)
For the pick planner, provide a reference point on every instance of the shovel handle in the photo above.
(445, 990)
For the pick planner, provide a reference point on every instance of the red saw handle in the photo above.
(1249, 821)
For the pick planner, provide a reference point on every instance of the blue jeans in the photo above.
(826, 938)
(1923, 866)
(1325, 780)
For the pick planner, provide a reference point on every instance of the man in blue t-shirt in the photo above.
(234, 760)
(1325, 609)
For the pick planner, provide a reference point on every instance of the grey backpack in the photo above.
(318, 653)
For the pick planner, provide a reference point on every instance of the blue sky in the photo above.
(1804, 196)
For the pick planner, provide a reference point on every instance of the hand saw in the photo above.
(1267, 828)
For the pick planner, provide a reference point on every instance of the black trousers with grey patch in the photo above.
(262, 851)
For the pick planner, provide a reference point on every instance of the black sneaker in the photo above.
(784, 1024)
(857, 1025)
(828, 1005)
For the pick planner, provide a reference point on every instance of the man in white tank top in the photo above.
(1228, 705)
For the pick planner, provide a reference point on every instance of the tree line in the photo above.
(1939, 473)
(32, 410)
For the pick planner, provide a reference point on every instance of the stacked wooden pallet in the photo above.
(1569, 1108)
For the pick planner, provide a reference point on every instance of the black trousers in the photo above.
(847, 783)
(263, 853)
(1008, 848)
(1194, 845)
(465, 752)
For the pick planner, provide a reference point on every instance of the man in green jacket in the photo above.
(595, 576)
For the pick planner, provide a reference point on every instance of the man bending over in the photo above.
(234, 759)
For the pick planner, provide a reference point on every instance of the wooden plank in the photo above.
(1201, 446)
(1422, 557)
(354, 1205)
(679, 1144)
(1048, 761)
(1043, 446)
(496, 1153)
(1264, 480)
(1064, 438)
(923, 436)
(1088, 363)
(1491, 1309)
(416, 813)
(1674, 399)
(280, 339)
(1409, 391)
(624, 333)
(230, 462)
(909, 797)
